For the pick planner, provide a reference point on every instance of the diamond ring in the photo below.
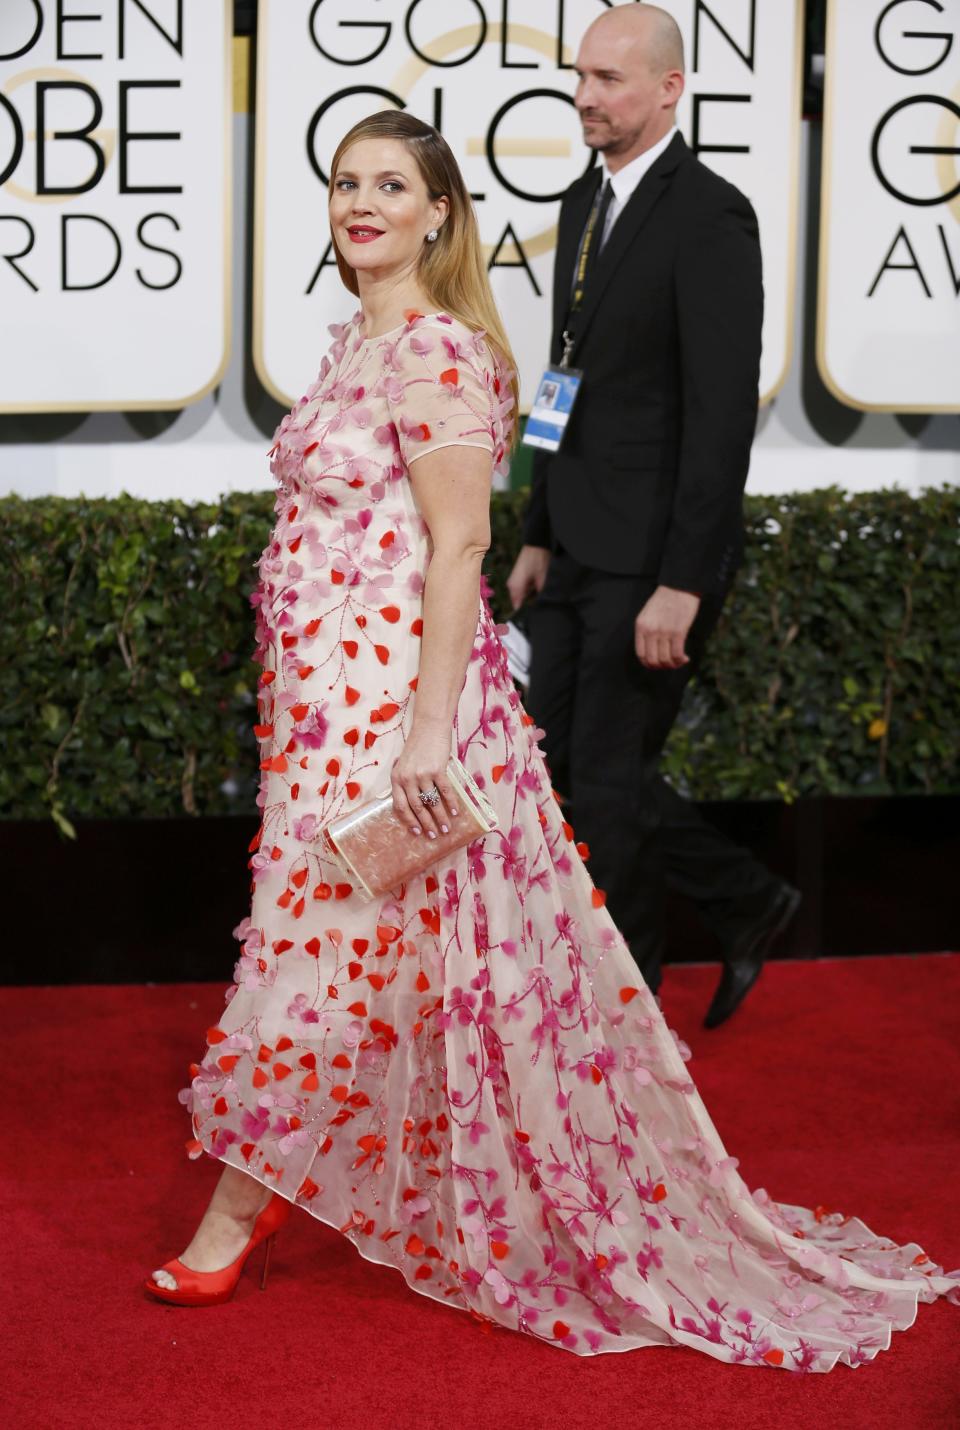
(430, 796)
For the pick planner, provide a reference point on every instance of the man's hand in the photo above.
(662, 627)
(528, 574)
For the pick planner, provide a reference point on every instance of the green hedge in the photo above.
(128, 687)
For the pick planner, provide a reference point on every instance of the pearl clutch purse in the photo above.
(379, 852)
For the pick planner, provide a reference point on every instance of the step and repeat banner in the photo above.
(114, 202)
(497, 77)
(115, 163)
(890, 215)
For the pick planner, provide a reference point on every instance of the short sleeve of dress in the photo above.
(443, 389)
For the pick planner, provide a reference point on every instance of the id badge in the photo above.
(551, 408)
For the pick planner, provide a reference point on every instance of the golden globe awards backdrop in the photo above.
(115, 160)
(497, 77)
(888, 336)
(114, 189)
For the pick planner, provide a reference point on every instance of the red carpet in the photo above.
(838, 1084)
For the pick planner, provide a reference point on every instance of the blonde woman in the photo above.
(467, 1077)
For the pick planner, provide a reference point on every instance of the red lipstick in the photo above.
(363, 233)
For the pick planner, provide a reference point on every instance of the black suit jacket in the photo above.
(650, 477)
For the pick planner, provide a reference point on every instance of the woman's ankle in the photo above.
(239, 1196)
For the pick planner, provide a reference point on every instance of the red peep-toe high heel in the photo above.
(212, 1288)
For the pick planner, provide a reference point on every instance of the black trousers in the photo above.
(606, 719)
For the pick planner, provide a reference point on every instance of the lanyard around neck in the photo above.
(586, 244)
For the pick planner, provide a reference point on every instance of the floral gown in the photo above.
(468, 1077)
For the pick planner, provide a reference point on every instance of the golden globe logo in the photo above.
(115, 131)
(496, 76)
(55, 147)
(889, 271)
(914, 148)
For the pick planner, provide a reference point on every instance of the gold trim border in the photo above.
(793, 217)
(177, 404)
(259, 119)
(823, 266)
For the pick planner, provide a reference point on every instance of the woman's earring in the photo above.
(432, 236)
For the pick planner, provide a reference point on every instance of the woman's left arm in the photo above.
(452, 490)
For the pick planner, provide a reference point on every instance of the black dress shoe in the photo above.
(742, 967)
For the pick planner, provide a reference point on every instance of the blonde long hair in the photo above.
(452, 270)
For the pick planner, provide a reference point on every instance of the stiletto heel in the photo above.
(267, 1249)
(212, 1288)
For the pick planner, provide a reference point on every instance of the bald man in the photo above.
(634, 528)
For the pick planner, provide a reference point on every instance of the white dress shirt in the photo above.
(625, 180)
